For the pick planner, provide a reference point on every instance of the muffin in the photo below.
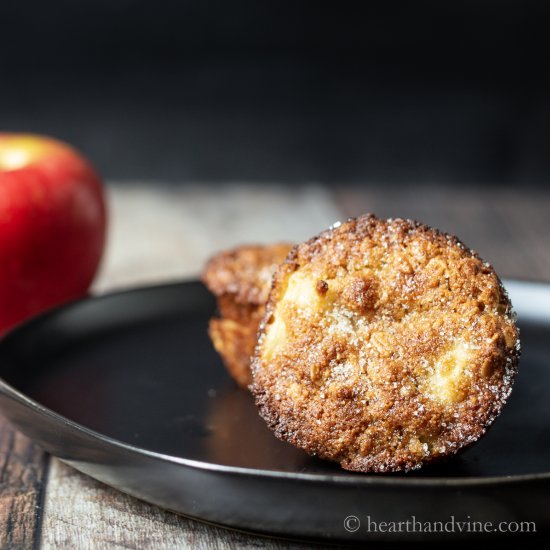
(241, 281)
(385, 345)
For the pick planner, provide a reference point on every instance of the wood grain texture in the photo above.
(82, 513)
(509, 227)
(22, 476)
(161, 233)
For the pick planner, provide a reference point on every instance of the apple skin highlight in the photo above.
(52, 225)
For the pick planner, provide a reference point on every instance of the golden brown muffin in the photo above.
(385, 344)
(241, 280)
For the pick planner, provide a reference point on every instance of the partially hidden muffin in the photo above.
(385, 344)
(241, 281)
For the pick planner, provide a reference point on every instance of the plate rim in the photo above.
(343, 478)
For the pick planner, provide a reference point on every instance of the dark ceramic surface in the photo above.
(128, 389)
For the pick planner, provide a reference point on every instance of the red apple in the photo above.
(52, 225)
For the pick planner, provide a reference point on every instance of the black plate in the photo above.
(128, 389)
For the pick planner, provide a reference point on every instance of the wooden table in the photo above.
(164, 233)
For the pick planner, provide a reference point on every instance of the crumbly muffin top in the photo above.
(245, 272)
(385, 344)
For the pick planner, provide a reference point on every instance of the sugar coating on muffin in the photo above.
(385, 344)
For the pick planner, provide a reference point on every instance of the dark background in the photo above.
(385, 92)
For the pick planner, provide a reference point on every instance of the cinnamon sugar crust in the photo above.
(385, 344)
(241, 280)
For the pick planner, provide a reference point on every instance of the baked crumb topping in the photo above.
(385, 344)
